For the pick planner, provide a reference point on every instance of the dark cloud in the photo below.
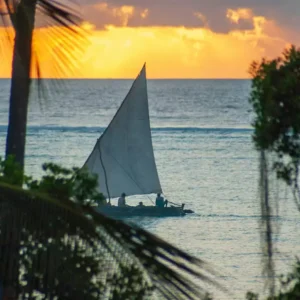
(182, 12)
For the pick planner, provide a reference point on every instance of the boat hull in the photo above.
(145, 211)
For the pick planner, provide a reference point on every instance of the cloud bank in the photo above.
(195, 40)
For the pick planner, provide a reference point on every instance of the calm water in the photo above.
(204, 154)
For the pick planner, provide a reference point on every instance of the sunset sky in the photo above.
(177, 38)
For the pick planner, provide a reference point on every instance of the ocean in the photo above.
(205, 157)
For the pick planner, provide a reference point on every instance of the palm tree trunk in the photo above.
(23, 20)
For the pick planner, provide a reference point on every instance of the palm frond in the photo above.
(129, 260)
(166, 265)
(64, 34)
(63, 39)
(60, 14)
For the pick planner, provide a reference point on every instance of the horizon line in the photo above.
(132, 78)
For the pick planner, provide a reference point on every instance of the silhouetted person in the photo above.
(121, 200)
(159, 202)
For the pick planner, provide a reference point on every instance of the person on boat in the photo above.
(121, 200)
(159, 202)
(141, 204)
(166, 203)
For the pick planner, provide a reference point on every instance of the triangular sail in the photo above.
(123, 156)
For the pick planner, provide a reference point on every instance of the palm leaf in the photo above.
(121, 251)
(63, 23)
(159, 259)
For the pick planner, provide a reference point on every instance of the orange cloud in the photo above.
(238, 14)
(201, 17)
(144, 14)
(170, 52)
(122, 13)
(266, 35)
(56, 49)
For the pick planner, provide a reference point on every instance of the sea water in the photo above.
(205, 158)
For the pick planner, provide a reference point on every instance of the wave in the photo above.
(93, 129)
(275, 217)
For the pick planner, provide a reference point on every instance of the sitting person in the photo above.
(141, 204)
(159, 202)
(122, 200)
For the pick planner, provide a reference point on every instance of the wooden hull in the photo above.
(145, 211)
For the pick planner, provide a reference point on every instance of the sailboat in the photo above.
(123, 157)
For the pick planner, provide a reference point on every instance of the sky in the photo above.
(176, 38)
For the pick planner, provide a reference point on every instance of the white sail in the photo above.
(123, 156)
